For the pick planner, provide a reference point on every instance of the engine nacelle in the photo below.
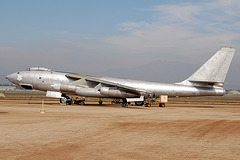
(64, 87)
(113, 92)
(88, 92)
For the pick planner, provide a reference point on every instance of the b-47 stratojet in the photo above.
(208, 80)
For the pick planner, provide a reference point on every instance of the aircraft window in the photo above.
(38, 69)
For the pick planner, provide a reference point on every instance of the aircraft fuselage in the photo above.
(58, 81)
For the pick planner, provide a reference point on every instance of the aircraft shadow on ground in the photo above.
(119, 106)
(91, 105)
(114, 106)
(3, 112)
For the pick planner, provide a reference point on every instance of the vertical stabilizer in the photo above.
(215, 69)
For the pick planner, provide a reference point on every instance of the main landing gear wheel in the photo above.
(116, 101)
(69, 102)
(66, 100)
(81, 103)
(63, 100)
(139, 103)
(124, 102)
(100, 102)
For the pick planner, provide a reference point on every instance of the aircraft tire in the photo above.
(124, 104)
(139, 103)
(63, 100)
(81, 103)
(69, 102)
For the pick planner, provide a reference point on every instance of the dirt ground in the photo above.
(178, 131)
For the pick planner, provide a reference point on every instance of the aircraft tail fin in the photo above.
(214, 71)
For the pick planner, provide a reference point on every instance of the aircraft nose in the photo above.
(11, 77)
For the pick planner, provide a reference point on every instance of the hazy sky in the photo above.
(107, 36)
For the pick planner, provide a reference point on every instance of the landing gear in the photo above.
(139, 103)
(116, 101)
(124, 102)
(63, 100)
(100, 102)
(69, 102)
(66, 100)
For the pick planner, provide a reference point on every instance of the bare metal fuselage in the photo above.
(47, 80)
(208, 80)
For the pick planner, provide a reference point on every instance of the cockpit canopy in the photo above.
(38, 69)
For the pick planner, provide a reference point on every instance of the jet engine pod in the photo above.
(68, 88)
(64, 87)
(113, 92)
(88, 92)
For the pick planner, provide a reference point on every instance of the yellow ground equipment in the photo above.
(79, 100)
(161, 102)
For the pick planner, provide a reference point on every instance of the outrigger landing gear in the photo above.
(100, 102)
(124, 102)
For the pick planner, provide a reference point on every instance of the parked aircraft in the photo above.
(208, 80)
